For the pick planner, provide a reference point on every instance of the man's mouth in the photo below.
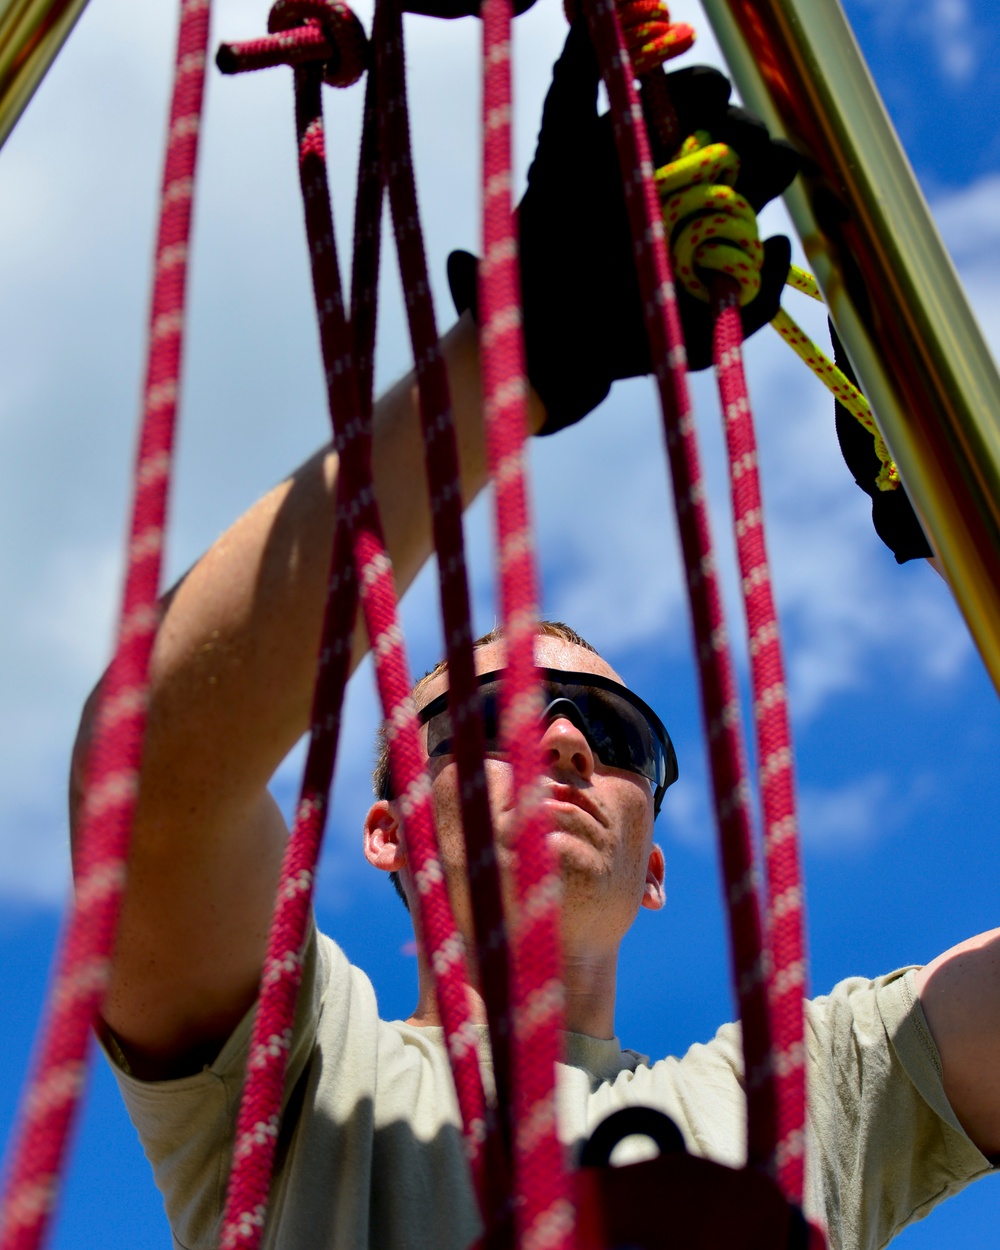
(571, 796)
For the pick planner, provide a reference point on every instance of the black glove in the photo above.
(583, 321)
(892, 513)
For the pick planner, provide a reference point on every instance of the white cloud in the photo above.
(686, 817)
(605, 525)
(949, 28)
(968, 223)
(832, 820)
(848, 817)
(55, 642)
(844, 603)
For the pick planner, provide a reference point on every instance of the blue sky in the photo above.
(896, 724)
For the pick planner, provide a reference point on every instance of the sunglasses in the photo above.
(623, 731)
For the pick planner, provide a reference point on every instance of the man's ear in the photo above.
(654, 896)
(383, 842)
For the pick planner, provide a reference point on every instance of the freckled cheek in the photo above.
(447, 810)
(635, 810)
(445, 789)
(499, 783)
(448, 821)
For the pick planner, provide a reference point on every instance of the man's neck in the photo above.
(590, 979)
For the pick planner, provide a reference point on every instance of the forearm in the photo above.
(234, 663)
(231, 687)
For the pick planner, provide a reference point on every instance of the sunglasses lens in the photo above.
(620, 733)
(623, 733)
(490, 707)
(440, 738)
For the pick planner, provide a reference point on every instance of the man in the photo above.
(370, 1153)
(905, 1093)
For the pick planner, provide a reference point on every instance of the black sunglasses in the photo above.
(623, 731)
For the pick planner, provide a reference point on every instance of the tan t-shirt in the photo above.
(370, 1155)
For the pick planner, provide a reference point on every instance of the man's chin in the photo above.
(579, 859)
(569, 835)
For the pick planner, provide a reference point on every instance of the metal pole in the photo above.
(891, 287)
(31, 34)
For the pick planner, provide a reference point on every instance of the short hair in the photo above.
(380, 773)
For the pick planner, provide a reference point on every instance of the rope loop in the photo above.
(710, 225)
(303, 32)
(651, 36)
(340, 25)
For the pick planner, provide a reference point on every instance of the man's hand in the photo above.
(893, 517)
(583, 320)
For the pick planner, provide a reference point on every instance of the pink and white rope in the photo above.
(259, 1115)
(350, 411)
(720, 702)
(442, 466)
(784, 953)
(777, 1142)
(544, 1210)
(83, 970)
(784, 916)
(304, 32)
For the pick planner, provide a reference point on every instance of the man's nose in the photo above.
(565, 747)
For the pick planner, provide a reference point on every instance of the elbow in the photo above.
(78, 766)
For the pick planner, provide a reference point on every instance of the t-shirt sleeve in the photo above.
(186, 1125)
(885, 1146)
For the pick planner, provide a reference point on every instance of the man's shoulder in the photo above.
(875, 1011)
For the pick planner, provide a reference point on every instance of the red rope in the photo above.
(305, 32)
(258, 1118)
(544, 1210)
(257, 1123)
(785, 920)
(720, 705)
(367, 250)
(441, 459)
(81, 979)
(780, 1142)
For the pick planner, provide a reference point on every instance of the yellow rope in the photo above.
(837, 382)
(709, 225)
(804, 282)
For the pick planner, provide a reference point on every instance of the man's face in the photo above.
(600, 818)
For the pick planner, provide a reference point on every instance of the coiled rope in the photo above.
(48, 1107)
(714, 229)
(711, 227)
(247, 1196)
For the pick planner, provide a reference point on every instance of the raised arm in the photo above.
(234, 662)
(232, 677)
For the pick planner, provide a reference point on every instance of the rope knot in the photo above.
(710, 225)
(651, 36)
(302, 32)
